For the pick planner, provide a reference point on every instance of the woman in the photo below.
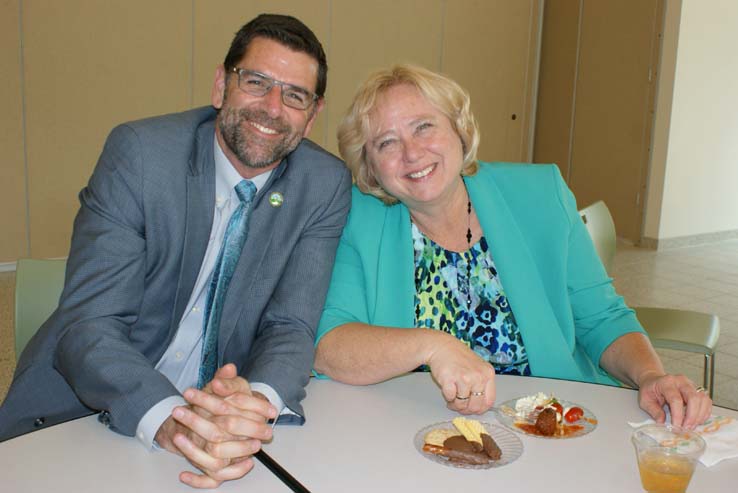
(493, 258)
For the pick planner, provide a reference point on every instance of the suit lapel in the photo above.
(522, 282)
(199, 217)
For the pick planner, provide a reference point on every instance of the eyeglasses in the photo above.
(258, 84)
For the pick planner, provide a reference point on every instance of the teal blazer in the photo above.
(563, 300)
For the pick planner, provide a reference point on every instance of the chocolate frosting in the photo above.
(490, 447)
(459, 443)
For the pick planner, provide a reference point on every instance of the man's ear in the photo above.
(217, 94)
(319, 105)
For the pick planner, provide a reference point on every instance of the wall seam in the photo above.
(326, 111)
(444, 12)
(192, 55)
(530, 92)
(572, 125)
(24, 133)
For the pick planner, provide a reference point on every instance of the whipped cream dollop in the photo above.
(526, 405)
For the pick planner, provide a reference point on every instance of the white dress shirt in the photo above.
(181, 361)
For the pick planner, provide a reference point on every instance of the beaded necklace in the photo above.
(468, 262)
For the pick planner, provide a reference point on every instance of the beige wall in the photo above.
(13, 220)
(557, 84)
(87, 66)
(700, 163)
(72, 70)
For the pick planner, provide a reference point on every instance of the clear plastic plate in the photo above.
(524, 424)
(509, 443)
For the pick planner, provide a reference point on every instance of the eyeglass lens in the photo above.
(259, 85)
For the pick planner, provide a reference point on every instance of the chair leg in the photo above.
(709, 375)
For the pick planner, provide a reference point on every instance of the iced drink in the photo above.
(667, 457)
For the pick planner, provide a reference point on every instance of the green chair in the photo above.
(667, 328)
(601, 228)
(38, 286)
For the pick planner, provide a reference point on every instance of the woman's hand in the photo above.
(688, 406)
(632, 360)
(467, 381)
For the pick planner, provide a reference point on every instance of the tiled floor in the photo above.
(701, 278)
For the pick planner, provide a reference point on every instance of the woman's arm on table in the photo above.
(632, 360)
(362, 354)
(609, 332)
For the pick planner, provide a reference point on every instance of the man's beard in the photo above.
(248, 147)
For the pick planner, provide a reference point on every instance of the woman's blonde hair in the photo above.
(443, 93)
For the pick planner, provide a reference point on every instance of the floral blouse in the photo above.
(442, 292)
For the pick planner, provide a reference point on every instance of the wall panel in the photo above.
(556, 84)
(595, 101)
(366, 36)
(612, 118)
(488, 47)
(88, 66)
(13, 240)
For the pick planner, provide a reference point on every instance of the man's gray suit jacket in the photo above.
(138, 243)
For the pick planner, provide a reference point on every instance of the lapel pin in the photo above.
(276, 199)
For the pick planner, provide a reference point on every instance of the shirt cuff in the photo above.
(154, 418)
(274, 398)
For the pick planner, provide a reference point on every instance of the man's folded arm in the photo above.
(282, 352)
(104, 292)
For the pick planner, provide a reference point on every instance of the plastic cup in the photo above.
(667, 457)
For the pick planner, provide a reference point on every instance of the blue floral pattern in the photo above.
(442, 294)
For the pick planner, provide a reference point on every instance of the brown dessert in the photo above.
(473, 458)
(546, 422)
(460, 443)
(474, 446)
(490, 447)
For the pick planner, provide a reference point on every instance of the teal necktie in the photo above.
(225, 264)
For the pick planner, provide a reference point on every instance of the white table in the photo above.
(360, 439)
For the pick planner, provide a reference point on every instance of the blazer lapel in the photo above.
(395, 271)
(522, 283)
(199, 217)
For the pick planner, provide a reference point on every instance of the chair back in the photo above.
(601, 228)
(38, 286)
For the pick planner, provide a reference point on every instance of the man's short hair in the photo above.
(286, 30)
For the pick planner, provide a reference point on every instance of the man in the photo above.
(224, 219)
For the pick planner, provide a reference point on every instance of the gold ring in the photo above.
(477, 394)
(459, 398)
(699, 389)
